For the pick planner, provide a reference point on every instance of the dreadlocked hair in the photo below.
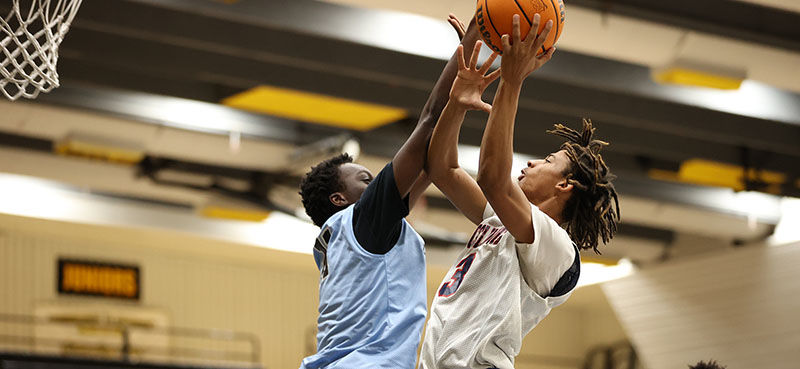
(317, 186)
(703, 365)
(592, 213)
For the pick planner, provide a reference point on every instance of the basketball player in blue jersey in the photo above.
(372, 288)
(522, 259)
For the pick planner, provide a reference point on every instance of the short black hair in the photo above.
(703, 365)
(317, 186)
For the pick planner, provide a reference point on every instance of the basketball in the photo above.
(494, 19)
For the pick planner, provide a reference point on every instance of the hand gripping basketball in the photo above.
(520, 56)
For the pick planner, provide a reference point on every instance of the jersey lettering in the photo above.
(449, 288)
(486, 234)
(321, 251)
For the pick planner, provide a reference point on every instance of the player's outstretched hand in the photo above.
(471, 81)
(458, 25)
(520, 57)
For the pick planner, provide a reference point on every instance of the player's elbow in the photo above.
(487, 181)
(436, 175)
(440, 174)
(493, 181)
(440, 163)
(428, 118)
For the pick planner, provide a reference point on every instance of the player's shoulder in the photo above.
(546, 226)
(538, 216)
(563, 241)
(338, 220)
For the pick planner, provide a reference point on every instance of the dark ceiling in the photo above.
(207, 51)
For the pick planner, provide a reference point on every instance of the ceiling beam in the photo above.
(156, 110)
(636, 125)
(731, 19)
(333, 39)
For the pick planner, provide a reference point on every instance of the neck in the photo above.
(553, 208)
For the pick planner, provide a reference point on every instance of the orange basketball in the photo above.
(494, 19)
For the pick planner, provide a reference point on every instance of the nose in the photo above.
(533, 163)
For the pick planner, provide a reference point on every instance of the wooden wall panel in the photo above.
(741, 308)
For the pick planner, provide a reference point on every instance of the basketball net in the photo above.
(29, 37)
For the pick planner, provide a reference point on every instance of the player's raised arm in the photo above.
(494, 172)
(410, 159)
(442, 165)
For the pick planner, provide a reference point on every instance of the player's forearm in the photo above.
(418, 189)
(497, 149)
(444, 170)
(443, 149)
(410, 159)
(413, 156)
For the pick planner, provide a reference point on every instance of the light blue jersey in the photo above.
(371, 306)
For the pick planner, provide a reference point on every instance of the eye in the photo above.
(367, 180)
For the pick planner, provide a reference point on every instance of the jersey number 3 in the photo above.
(450, 287)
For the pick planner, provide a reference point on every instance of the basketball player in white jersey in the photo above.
(521, 261)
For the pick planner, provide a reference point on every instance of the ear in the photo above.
(337, 198)
(564, 186)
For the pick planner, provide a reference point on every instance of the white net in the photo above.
(30, 36)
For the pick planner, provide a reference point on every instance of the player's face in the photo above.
(541, 178)
(355, 179)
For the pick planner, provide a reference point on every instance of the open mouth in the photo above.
(521, 176)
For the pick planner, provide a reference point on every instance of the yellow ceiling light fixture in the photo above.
(248, 215)
(697, 74)
(711, 173)
(315, 108)
(663, 175)
(107, 149)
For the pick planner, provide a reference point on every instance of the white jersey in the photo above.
(492, 297)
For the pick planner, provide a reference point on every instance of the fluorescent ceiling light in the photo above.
(31, 197)
(756, 205)
(594, 273)
(36, 198)
(753, 99)
(469, 157)
(788, 229)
